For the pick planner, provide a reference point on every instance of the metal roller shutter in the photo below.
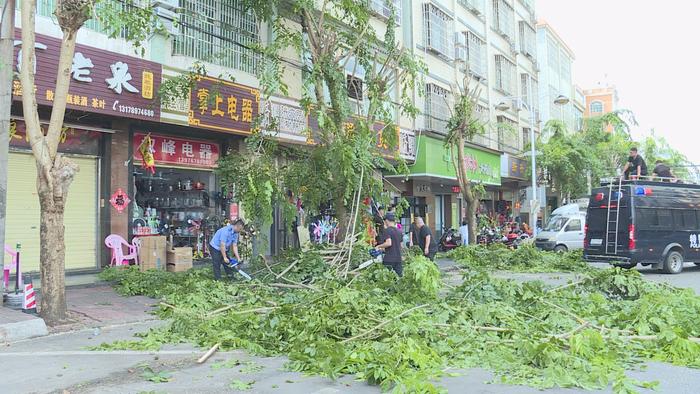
(80, 216)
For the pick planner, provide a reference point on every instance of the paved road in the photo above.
(61, 362)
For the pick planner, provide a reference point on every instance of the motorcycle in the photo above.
(451, 239)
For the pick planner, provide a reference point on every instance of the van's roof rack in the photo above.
(649, 180)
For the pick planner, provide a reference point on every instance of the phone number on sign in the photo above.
(128, 109)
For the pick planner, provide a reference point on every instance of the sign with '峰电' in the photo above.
(100, 81)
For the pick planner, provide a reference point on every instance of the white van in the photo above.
(564, 230)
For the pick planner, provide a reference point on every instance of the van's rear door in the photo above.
(597, 220)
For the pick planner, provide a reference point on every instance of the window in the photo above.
(596, 107)
(354, 86)
(529, 95)
(574, 225)
(437, 108)
(503, 16)
(508, 139)
(218, 32)
(553, 56)
(527, 40)
(685, 219)
(505, 75)
(438, 30)
(477, 6)
(47, 7)
(526, 137)
(383, 8)
(476, 54)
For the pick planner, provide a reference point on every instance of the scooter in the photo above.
(451, 239)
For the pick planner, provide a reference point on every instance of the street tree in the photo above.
(464, 124)
(357, 80)
(55, 172)
(565, 159)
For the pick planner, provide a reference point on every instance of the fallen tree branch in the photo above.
(226, 308)
(384, 323)
(208, 353)
(281, 274)
(566, 286)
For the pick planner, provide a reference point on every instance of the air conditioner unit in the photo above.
(460, 54)
(460, 39)
(167, 4)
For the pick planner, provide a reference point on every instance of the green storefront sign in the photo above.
(434, 160)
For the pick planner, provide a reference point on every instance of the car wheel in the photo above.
(560, 249)
(673, 263)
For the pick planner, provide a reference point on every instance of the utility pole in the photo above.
(7, 33)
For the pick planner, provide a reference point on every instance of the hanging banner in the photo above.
(179, 151)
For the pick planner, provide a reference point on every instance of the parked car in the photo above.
(644, 221)
(564, 230)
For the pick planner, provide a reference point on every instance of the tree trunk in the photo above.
(52, 249)
(471, 221)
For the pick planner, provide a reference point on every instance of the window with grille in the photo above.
(528, 90)
(474, 5)
(483, 113)
(47, 7)
(505, 75)
(218, 32)
(437, 108)
(438, 30)
(596, 107)
(528, 41)
(354, 86)
(476, 54)
(503, 18)
(383, 8)
(508, 139)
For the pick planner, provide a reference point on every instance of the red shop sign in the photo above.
(180, 152)
(102, 82)
(72, 140)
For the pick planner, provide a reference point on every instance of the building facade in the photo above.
(556, 60)
(493, 44)
(600, 101)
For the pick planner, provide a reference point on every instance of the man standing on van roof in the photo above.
(636, 166)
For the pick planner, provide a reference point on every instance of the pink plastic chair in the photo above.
(117, 243)
(9, 265)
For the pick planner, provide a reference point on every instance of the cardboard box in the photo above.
(152, 254)
(179, 259)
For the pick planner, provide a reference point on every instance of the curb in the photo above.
(26, 329)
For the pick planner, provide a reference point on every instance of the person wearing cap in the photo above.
(225, 238)
(391, 239)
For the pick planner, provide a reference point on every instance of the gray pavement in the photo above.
(61, 361)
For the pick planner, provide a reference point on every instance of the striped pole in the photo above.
(29, 304)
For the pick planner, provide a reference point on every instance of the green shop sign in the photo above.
(434, 160)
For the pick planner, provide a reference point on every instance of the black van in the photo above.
(644, 221)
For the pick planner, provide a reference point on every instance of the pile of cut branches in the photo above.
(527, 258)
(404, 333)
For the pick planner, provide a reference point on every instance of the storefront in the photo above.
(514, 179)
(432, 188)
(175, 196)
(107, 91)
(82, 213)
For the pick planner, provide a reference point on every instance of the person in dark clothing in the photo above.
(413, 235)
(426, 241)
(663, 171)
(636, 166)
(391, 244)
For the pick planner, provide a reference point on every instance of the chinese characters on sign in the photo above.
(72, 140)
(223, 106)
(169, 150)
(101, 81)
(517, 167)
